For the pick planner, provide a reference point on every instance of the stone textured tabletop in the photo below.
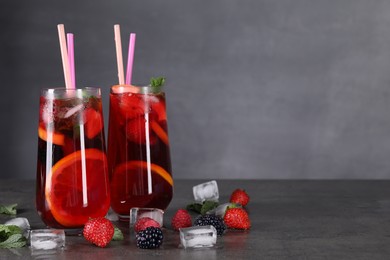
(290, 220)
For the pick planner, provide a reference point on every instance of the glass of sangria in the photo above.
(138, 149)
(72, 169)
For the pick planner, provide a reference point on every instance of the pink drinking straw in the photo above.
(64, 56)
(119, 58)
(130, 59)
(70, 41)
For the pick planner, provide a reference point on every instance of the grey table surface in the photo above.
(291, 219)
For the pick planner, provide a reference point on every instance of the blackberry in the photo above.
(213, 220)
(149, 238)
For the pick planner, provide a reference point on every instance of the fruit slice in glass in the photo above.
(74, 196)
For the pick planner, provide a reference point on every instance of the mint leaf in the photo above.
(202, 208)
(13, 229)
(207, 206)
(118, 235)
(14, 241)
(194, 207)
(7, 230)
(157, 82)
(8, 209)
(11, 237)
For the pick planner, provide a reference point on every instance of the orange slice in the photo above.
(73, 196)
(124, 89)
(160, 132)
(129, 165)
(57, 138)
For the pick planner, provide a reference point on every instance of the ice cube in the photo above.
(153, 213)
(221, 209)
(47, 239)
(47, 114)
(20, 222)
(73, 110)
(198, 236)
(206, 191)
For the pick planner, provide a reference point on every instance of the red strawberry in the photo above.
(159, 108)
(239, 196)
(93, 122)
(237, 218)
(181, 219)
(136, 130)
(131, 105)
(145, 222)
(99, 231)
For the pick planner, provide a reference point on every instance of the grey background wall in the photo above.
(256, 89)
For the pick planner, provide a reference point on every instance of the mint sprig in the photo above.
(8, 209)
(157, 82)
(11, 237)
(202, 208)
(196, 207)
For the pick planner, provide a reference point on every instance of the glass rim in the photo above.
(71, 89)
(136, 89)
(62, 92)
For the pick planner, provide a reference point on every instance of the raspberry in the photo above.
(145, 222)
(149, 238)
(181, 219)
(213, 220)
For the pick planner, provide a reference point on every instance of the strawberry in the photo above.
(131, 106)
(239, 196)
(145, 222)
(93, 122)
(136, 130)
(237, 218)
(98, 231)
(181, 219)
(158, 107)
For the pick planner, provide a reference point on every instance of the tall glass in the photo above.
(72, 170)
(138, 149)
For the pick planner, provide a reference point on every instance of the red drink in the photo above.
(138, 149)
(72, 174)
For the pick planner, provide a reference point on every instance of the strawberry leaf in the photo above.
(118, 235)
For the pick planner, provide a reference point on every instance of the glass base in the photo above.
(124, 218)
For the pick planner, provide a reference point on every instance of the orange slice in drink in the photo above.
(132, 165)
(74, 196)
(124, 89)
(160, 132)
(56, 138)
